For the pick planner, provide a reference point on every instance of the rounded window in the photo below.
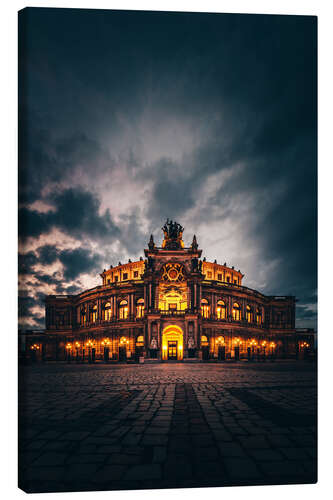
(123, 309)
(236, 312)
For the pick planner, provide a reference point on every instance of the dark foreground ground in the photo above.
(98, 427)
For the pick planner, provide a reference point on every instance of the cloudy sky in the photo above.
(127, 118)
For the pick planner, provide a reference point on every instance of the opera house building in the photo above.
(170, 306)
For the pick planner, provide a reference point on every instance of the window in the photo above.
(93, 314)
(249, 314)
(219, 277)
(109, 281)
(123, 309)
(228, 279)
(116, 278)
(136, 274)
(236, 314)
(107, 312)
(83, 316)
(204, 340)
(140, 340)
(205, 308)
(235, 281)
(125, 276)
(258, 316)
(221, 310)
(209, 274)
(140, 307)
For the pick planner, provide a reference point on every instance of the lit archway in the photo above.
(172, 343)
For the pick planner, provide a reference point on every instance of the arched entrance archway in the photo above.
(172, 343)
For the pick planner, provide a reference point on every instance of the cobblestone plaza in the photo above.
(110, 427)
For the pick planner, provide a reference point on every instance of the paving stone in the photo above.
(241, 468)
(231, 450)
(283, 469)
(40, 473)
(254, 441)
(50, 458)
(142, 472)
(109, 473)
(123, 459)
(81, 471)
(177, 469)
(75, 436)
(294, 453)
(159, 454)
(265, 454)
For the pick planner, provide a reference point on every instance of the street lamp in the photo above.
(221, 348)
(237, 343)
(263, 344)
(77, 347)
(89, 344)
(68, 349)
(105, 343)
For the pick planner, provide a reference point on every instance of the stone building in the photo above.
(172, 305)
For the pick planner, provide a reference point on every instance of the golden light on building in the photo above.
(68, 346)
(176, 302)
(35, 347)
(106, 342)
(124, 341)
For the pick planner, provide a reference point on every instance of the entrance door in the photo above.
(172, 349)
(122, 353)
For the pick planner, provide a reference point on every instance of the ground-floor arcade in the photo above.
(173, 342)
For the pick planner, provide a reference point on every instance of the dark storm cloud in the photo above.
(76, 261)
(76, 213)
(172, 101)
(26, 262)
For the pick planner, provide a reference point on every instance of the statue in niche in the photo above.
(191, 344)
(153, 343)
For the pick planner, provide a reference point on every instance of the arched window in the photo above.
(221, 310)
(204, 340)
(83, 315)
(258, 316)
(123, 309)
(236, 313)
(140, 340)
(249, 314)
(140, 307)
(93, 313)
(205, 308)
(107, 311)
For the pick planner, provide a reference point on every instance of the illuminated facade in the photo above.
(172, 305)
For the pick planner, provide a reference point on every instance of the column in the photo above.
(99, 308)
(132, 305)
(145, 297)
(194, 305)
